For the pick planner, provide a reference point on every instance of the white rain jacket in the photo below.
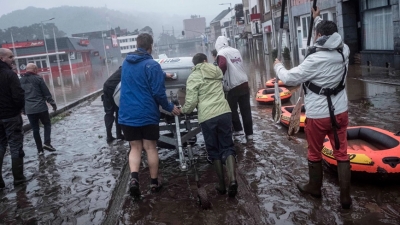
(324, 68)
(234, 74)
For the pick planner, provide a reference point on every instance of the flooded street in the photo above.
(86, 180)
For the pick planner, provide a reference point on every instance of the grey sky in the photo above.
(206, 8)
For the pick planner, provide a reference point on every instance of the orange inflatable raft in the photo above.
(271, 83)
(373, 152)
(287, 112)
(267, 95)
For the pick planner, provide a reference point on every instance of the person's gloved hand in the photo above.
(54, 107)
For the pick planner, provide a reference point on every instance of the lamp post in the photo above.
(232, 31)
(47, 58)
(45, 44)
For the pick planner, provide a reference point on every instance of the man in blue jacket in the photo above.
(142, 92)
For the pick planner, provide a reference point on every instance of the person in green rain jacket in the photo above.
(204, 90)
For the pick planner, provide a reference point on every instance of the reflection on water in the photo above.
(67, 88)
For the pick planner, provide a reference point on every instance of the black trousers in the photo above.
(44, 118)
(217, 134)
(11, 134)
(110, 108)
(241, 96)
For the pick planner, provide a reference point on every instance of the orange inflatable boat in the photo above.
(287, 112)
(270, 83)
(267, 95)
(373, 152)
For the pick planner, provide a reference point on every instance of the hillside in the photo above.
(71, 19)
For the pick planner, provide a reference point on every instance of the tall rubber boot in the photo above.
(119, 131)
(2, 184)
(313, 187)
(344, 174)
(231, 171)
(18, 171)
(220, 172)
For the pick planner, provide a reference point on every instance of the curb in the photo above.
(378, 82)
(95, 94)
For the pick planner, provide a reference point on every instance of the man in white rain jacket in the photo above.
(323, 75)
(236, 85)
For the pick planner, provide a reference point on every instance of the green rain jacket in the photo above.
(204, 91)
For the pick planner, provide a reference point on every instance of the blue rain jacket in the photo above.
(142, 90)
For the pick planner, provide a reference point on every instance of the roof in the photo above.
(78, 47)
(221, 15)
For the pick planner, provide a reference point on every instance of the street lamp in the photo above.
(45, 44)
(47, 58)
(232, 31)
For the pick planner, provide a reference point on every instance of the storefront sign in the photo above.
(84, 42)
(267, 29)
(25, 44)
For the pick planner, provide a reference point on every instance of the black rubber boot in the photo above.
(2, 184)
(119, 132)
(18, 171)
(344, 173)
(313, 187)
(231, 170)
(219, 168)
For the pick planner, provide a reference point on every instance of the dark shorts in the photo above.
(148, 132)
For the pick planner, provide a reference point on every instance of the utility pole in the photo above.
(293, 40)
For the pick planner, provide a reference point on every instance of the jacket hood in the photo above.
(330, 42)
(222, 42)
(138, 56)
(208, 71)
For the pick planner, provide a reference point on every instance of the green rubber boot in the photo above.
(231, 171)
(220, 172)
(344, 174)
(313, 187)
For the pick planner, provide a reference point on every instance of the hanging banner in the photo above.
(114, 41)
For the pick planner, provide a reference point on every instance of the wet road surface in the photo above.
(85, 181)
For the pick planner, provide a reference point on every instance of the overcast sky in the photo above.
(206, 8)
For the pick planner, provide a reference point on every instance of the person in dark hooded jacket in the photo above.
(110, 107)
(142, 92)
(11, 104)
(36, 96)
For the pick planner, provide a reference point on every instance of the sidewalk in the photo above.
(72, 185)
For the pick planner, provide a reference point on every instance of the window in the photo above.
(324, 16)
(267, 5)
(370, 4)
(248, 16)
(305, 23)
(378, 29)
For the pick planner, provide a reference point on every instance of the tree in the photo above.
(32, 32)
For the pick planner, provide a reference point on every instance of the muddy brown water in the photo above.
(86, 180)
